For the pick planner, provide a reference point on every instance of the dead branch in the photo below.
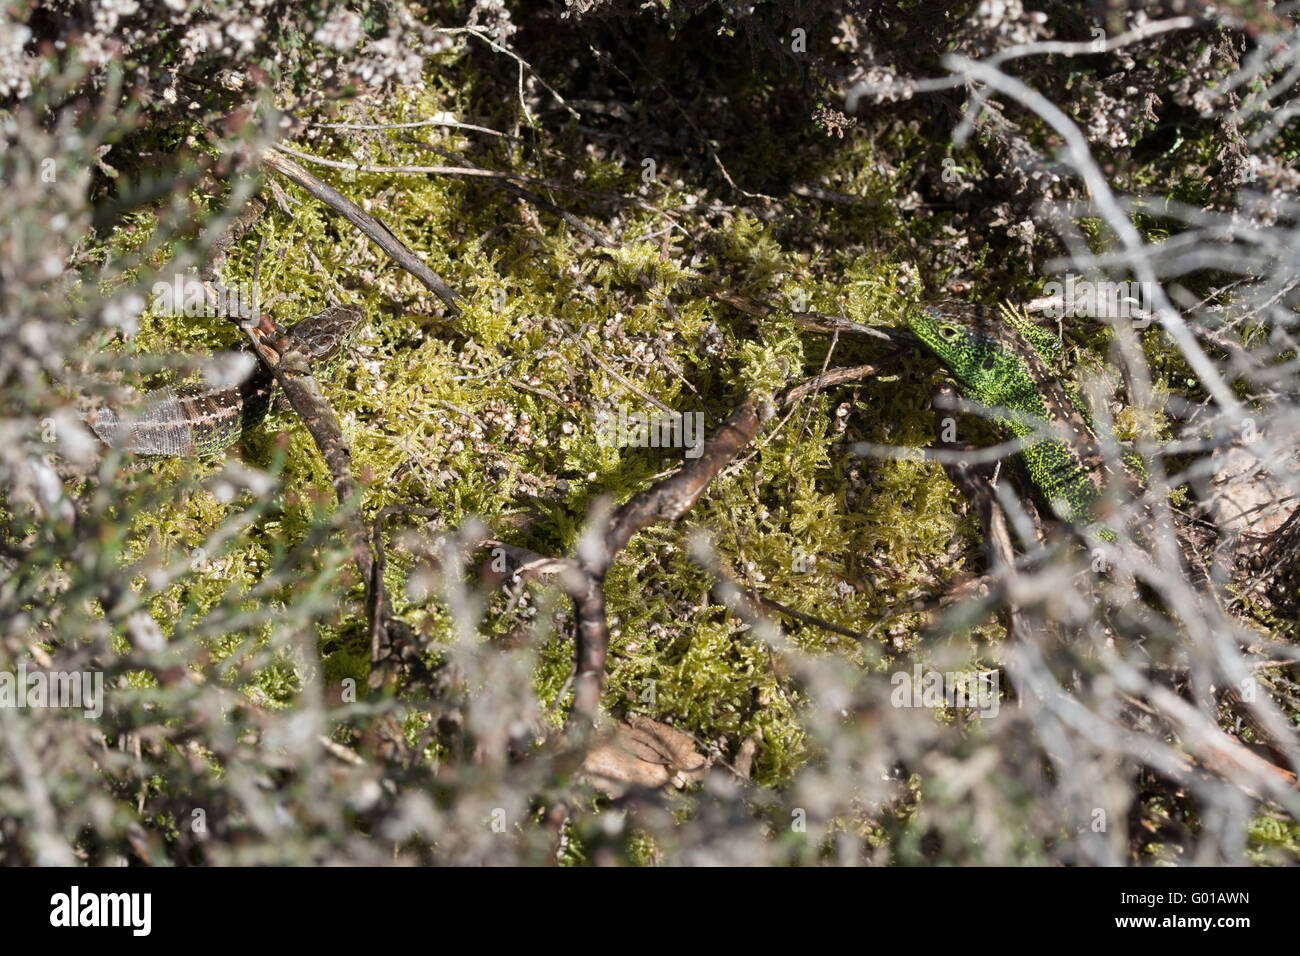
(373, 228)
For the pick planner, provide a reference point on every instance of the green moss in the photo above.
(436, 417)
(411, 395)
(1273, 838)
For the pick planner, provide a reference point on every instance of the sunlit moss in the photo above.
(436, 417)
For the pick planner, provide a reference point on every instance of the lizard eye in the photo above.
(988, 363)
(948, 331)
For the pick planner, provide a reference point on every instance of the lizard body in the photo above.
(1003, 362)
(203, 419)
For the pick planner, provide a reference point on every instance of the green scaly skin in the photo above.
(1003, 362)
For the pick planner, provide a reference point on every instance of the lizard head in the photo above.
(973, 344)
(328, 332)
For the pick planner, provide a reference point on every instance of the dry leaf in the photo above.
(644, 753)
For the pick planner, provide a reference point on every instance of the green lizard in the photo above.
(1003, 361)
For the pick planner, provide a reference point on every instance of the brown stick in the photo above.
(666, 500)
(289, 364)
(374, 229)
(672, 497)
(809, 619)
(583, 577)
(834, 376)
